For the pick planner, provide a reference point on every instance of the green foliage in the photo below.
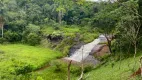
(65, 45)
(2, 40)
(39, 78)
(88, 37)
(31, 35)
(23, 68)
(88, 68)
(12, 36)
(33, 39)
(32, 28)
(57, 64)
(22, 59)
(2, 52)
(121, 70)
(22, 20)
(56, 34)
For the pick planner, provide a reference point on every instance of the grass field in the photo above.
(20, 59)
(120, 70)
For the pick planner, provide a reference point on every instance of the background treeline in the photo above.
(21, 16)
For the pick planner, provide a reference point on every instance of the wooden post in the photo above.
(69, 69)
(82, 66)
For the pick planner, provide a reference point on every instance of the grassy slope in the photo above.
(18, 55)
(58, 71)
(87, 34)
(120, 71)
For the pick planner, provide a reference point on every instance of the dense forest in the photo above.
(36, 36)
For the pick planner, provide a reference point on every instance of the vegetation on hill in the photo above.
(21, 59)
(33, 33)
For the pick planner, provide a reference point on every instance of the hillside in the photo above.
(70, 40)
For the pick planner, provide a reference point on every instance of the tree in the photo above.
(62, 6)
(1, 25)
(129, 24)
(60, 11)
(105, 21)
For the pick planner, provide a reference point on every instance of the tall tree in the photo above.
(105, 21)
(129, 23)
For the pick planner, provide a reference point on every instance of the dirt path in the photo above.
(42, 68)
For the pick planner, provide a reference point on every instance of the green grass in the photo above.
(58, 71)
(120, 71)
(66, 30)
(17, 56)
(86, 34)
(20, 57)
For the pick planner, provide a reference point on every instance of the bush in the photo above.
(33, 28)
(11, 36)
(57, 64)
(57, 34)
(20, 67)
(39, 78)
(2, 40)
(33, 39)
(23, 69)
(88, 68)
(2, 52)
(31, 35)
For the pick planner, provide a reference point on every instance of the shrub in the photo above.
(65, 45)
(12, 36)
(57, 64)
(23, 69)
(39, 78)
(88, 68)
(33, 28)
(2, 40)
(31, 35)
(20, 67)
(2, 52)
(33, 39)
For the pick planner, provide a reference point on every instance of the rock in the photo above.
(91, 60)
(100, 50)
(75, 47)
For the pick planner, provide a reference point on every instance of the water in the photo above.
(85, 50)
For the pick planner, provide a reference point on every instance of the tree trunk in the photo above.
(141, 65)
(2, 30)
(60, 17)
(135, 46)
(69, 69)
(109, 44)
